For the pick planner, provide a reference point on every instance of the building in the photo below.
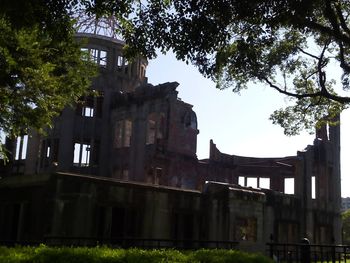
(122, 164)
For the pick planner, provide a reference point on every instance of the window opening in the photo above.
(151, 129)
(125, 174)
(103, 58)
(127, 133)
(252, 182)
(289, 186)
(88, 111)
(264, 183)
(94, 55)
(191, 120)
(161, 126)
(246, 229)
(241, 181)
(48, 149)
(143, 72)
(120, 60)
(18, 147)
(313, 187)
(21, 147)
(158, 175)
(81, 154)
(123, 133)
(126, 65)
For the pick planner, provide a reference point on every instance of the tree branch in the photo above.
(342, 20)
(324, 94)
(307, 53)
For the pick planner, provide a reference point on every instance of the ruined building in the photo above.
(122, 164)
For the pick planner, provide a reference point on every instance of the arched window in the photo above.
(190, 120)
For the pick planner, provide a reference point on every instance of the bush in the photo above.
(44, 254)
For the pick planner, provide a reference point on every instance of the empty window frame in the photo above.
(252, 182)
(87, 111)
(313, 187)
(246, 229)
(264, 183)
(21, 147)
(289, 186)
(190, 120)
(123, 133)
(142, 71)
(96, 55)
(81, 154)
(90, 106)
(241, 181)
(155, 127)
(120, 63)
(151, 128)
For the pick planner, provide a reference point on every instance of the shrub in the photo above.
(44, 254)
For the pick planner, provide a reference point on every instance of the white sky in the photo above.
(238, 124)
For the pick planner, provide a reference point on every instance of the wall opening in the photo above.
(21, 147)
(246, 229)
(264, 183)
(252, 182)
(313, 187)
(81, 154)
(151, 128)
(241, 181)
(123, 133)
(289, 186)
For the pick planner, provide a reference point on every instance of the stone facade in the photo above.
(122, 164)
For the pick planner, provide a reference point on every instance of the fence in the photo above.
(306, 253)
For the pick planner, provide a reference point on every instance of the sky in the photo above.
(239, 124)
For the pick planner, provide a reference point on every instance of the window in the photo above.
(143, 72)
(252, 182)
(120, 62)
(246, 229)
(90, 106)
(21, 147)
(48, 151)
(81, 154)
(190, 120)
(313, 187)
(103, 58)
(96, 55)
(264, 183)
(126, 65)
(158, 175)
(123, 133)
(289, 186)
(241, 181)
(151, 128)
(88, 111)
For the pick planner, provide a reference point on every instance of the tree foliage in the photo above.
(346, 227)
(41, 69)
(288, 45)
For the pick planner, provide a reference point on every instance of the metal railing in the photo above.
(306, 253)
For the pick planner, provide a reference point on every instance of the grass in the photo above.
(45, 254)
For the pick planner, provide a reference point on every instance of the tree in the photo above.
(41, 69)
(288, 45)
(346, 227)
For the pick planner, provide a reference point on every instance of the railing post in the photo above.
(333, 250)
(305, 251)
